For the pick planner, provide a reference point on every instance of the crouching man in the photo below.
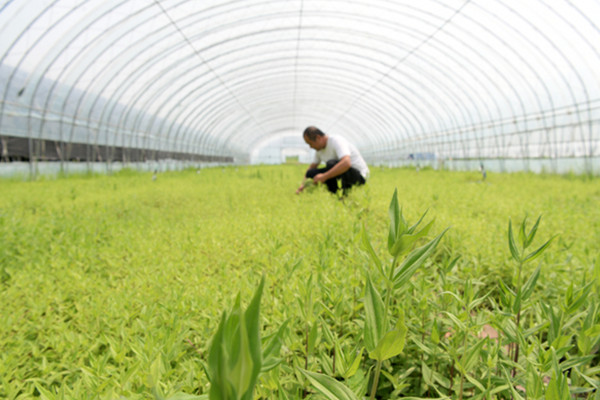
(342, 161)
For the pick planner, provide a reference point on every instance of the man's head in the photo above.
(315, 138)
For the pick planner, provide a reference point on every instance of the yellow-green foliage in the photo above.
(113, 286)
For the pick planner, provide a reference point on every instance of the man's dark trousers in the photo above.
(348, 178)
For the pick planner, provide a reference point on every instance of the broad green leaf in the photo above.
(241, 362)
(366, 243)
(511, 243)
(374, 319)
(329, 387)
(234, 358)
(414, 260)
(253, 331)
(220, 387)
(391, 344)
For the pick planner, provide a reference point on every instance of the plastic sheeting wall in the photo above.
(475, 79)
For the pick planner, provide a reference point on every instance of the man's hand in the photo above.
(300, 189)
(319, 178)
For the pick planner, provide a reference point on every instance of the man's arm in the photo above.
(342, 166)
(311, 166)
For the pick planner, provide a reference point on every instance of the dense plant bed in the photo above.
(115, 286)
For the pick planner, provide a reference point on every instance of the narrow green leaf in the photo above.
(185, 396)
(414, 260)
(374, 319)
(508, 291)
(327, 334)
(522, 234)
(515, 394)
(270, 354)
(461, 326)
(404, 242)
(273, 346)
(394, 213)
(329, 387)
(581, 296)
(45, 394)
(313, 337)
(366, 243)
(435, 333)
(528, 287)
(511, 243)
(427, 374)
(532, 232)
(412, 228)
(472, 356)
(534, 383)
(451, 265)
(475, 382)
(576, 362)
(593, 331)
(353, 368)
(535, 254)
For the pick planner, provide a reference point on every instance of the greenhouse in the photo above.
(236, 81)
(166, 231)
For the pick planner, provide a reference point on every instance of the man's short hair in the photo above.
(312, 132)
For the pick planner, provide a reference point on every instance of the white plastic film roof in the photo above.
(470, 79)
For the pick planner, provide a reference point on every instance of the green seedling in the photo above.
(523, 291)
(382, 343)
(235, 356)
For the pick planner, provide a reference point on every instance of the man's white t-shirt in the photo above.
(338, 147)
